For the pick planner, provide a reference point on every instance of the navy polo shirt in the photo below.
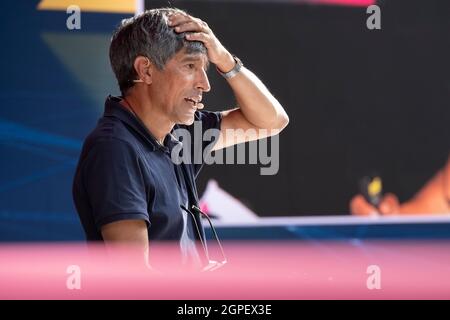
(123, 173)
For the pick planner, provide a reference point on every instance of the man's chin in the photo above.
(187, 121)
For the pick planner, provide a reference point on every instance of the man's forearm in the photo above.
(257, 104)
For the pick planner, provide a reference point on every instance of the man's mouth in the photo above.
(193, 100)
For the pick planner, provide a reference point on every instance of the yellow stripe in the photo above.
(111, 6)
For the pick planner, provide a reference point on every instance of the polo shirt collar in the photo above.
(113, 108)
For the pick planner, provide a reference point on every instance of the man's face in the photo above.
(180, 85)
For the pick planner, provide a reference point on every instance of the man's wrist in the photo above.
(234, 70)
(226, 64)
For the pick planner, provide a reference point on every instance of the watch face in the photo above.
(233, 71)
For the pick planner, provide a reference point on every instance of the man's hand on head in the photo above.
(198, 30)
(258, 110)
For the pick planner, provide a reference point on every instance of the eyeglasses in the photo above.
(212, 264)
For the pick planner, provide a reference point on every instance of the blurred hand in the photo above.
(389, 205)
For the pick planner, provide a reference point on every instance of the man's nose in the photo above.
(203, 82)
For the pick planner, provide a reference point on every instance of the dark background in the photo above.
(359, 102)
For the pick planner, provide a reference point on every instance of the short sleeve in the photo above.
(114, 183)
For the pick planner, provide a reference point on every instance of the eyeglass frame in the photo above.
(212, 264)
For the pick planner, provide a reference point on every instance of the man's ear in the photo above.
(144, 69)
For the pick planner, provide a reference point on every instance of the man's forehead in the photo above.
(183, 56)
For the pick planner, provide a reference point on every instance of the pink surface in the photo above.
(275, 270)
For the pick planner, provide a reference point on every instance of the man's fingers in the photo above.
(189, 26)
(198, 36)
(360, 207)
(177, 19)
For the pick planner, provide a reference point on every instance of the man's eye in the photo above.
(191, 66)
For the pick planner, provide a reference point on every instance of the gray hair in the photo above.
(149, 35)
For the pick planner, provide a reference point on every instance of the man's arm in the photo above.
(258, 108)
(131, 234)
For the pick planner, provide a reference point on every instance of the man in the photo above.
(127, 189)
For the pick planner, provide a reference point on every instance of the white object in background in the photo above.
(223, 206)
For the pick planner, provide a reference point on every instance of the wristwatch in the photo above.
(237, 67)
